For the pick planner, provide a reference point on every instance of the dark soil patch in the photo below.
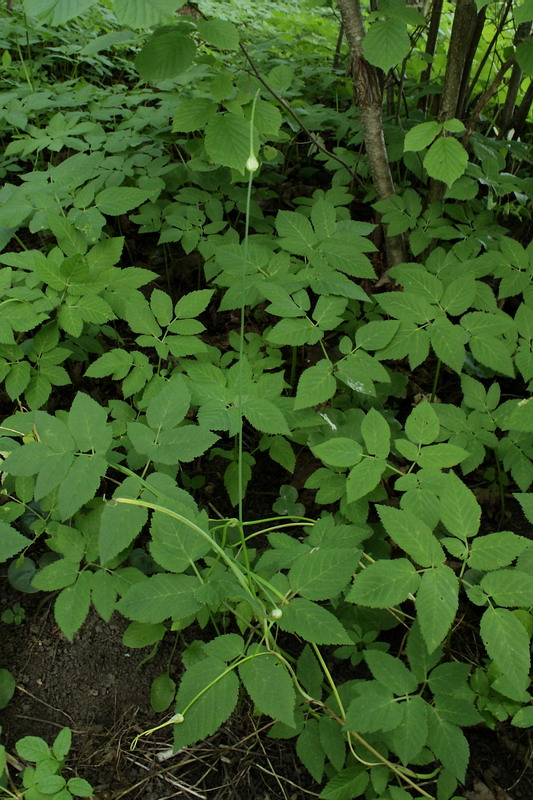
(100, 689)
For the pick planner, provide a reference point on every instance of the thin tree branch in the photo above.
(313, 138)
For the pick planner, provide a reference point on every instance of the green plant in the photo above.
(42, 777)
(401, 389)
(14, 615)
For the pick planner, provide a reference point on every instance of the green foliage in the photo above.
(128, 389)
(42, 777)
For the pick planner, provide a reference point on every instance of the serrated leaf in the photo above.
(168, 407)
(227, 141)
(460, 511)
(116, 363)
(62, 743)
(407, 306)
(192, 304)
(441, 456)
(507, 643)
(160, 597)
(332, 741)
(322, 572)
(526, 502)
(11, 542)
(265, 415)
(436, 604)
(56, 12)
(376, 434)
(313, 623)
(510, 588)
(448, 342)
(422, 425)
(410, 737)
(316, 385)
(386, 43)
(310, 751)
(226, 647)
(495, 550)
(143, 634)
(296, 228)
(206, 697)
(280, 451)
(376, 334)
(165, 55)
(296, 331)
(80, 484)
(143, 13)
(103, 593)
(523, 718)
(449, 744)
(116, 200)
(364, 477)
(79, 787)
(384, 584)
(420, 136)
(17, 379)
(339, 452)
(220, 33)
(182, 444)
(375, 709)
(324, 218)
(446, 160)
(192, 115)
(87, 423)
(346, 785)
(56, 575)
(412, 535)
(72, 605)
(120, 524)
(494, 353)
(174, 545)
(391, 672)
(32, 748)
(270, 686)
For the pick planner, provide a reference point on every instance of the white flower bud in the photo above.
(177, 718)
(276, 613)
(252, 164)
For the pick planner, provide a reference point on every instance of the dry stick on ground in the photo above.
(368, 96)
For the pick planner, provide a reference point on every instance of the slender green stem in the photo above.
(241, 341)
(435, 381)
(216, 547)
(330, 680)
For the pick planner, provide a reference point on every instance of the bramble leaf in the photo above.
(270, 686)
(384, 583)
(206, 697)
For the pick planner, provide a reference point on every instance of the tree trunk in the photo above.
(505, 121)
(463, 26)
(462, 29)
(522, 112)
(368, 96)
(431, 43)
(464, 92)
